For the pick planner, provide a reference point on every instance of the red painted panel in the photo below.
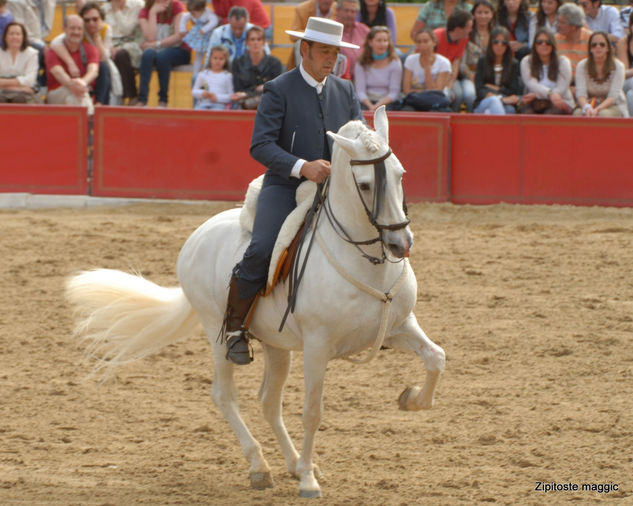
(44, 149)
(486, 159)
(173, 153)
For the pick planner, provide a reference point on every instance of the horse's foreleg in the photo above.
(224, 394)
(410, 337)
(276, 372)
(314, 375)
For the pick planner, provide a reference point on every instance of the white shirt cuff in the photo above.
(296, 169)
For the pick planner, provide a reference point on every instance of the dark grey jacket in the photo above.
(292, 119)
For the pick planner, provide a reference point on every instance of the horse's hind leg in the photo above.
(224, 394)
(410, 337)
(270, 394)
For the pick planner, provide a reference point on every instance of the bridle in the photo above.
(380, 184)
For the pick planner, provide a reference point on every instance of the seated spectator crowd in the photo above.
(488, 57)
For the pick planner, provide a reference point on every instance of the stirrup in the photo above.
(238, 348)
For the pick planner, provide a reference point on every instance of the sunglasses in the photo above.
(598, 44)
(88, 20)
(541, 42)
(500, 41)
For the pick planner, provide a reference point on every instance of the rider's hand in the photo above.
(316, 170)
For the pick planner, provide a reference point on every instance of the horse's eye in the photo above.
(364, 186)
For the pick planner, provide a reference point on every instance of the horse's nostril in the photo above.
(396, 249)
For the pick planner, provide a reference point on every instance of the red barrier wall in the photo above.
(172, 153)
(204, 154)
(542, 160)
(44, 149)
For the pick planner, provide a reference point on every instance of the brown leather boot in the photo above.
(238, 350)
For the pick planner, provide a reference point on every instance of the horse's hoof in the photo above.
(260, 481)
(406, 401)
(310, 494)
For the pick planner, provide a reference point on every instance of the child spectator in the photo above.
(497, 80)
(378, 72)
(18, 66)
(546, 17)
(425, 76)
(515, 16)
(625, 55)
(253, 69)
(547, 76)
(599, 81)
(5, 16)
(199, 36)
(213, 87)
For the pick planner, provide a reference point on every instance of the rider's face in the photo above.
(318, 59)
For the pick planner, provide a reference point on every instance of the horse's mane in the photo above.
(357, 129)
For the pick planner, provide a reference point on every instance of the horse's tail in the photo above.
(125, 317)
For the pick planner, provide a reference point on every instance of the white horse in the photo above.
(345, 303)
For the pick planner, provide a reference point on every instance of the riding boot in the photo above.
(238, 350)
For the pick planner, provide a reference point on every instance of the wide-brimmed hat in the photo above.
(325, 31)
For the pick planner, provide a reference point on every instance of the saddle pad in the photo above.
(304, 198)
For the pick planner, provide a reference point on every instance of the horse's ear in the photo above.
(348, 145)
(381, 123)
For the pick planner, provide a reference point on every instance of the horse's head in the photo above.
(368, 178)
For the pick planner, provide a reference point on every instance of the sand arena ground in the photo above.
(533, 305)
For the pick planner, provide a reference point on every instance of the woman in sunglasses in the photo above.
(547, 77)
(497, 78)
(599, 81)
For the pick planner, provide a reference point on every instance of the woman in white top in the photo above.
(547, 77)
(425, 75)
(18, 66)
(122, 16)
(378, 71)
(599, 81)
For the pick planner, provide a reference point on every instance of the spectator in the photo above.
(604, 18)
(213, 87)
(233, 35)
(257, 15)
(435, 13)
(625, 55)
(5, 16)
(62, 88)
(515, 16)
(18, 66)
(163, 48)
(546, 17)
(547, 77)
(451, 43)
(378, 72)
(625, 15)
(354, 32)
(122, 16)
(99, 34)
(253, 69)
(303, 11)
(497, 80)
(572, 37)
(425, 76)
(198, 37)
(484, 21)
(376, 13)
(36, 16)
(600, 80)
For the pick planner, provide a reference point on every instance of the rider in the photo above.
(289, 138)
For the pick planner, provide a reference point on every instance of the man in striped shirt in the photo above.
(572, 38)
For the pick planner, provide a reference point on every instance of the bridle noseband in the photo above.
(380, 184)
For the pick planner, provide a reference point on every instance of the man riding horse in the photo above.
(289, 139)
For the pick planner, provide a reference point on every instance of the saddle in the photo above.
(290, 233)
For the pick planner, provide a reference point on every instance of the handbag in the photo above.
(427, 100)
